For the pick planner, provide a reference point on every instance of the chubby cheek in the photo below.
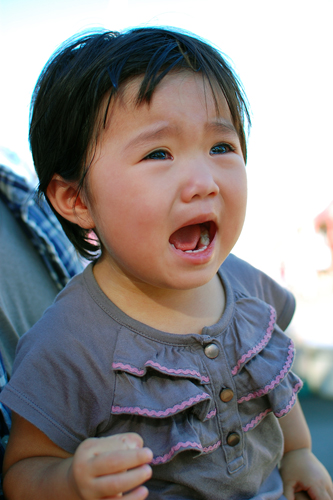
(235, 199)
(125, 217)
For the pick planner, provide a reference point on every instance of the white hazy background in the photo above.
(282, 52)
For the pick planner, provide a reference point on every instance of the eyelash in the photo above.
(157, 154)
(227, 147)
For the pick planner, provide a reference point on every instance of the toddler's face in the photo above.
(167, 187)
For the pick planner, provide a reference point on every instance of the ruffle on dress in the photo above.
(166, 394)
(163, 392)
(260, 363)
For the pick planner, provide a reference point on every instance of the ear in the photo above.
(66, 200)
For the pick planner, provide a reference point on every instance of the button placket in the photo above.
(228, 419)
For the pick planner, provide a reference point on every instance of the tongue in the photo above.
(186, 238)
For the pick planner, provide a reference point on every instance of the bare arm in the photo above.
(295, 430)
(301, 471)
(35, 467)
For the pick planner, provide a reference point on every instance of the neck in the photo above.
(169, 310)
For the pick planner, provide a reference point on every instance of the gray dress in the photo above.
(207, 405)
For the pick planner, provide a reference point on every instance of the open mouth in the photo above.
(194, 238)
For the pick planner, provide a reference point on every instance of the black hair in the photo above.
(69, 93)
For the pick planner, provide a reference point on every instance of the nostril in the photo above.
(215, 190)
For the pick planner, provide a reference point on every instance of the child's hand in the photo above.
(301, 471)
(108, 467)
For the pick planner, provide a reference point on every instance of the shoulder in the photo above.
(72, 326)
(66, 355)
(248, 280)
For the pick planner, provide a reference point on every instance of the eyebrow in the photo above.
(173, 130)
(146, 136)
(221, 126)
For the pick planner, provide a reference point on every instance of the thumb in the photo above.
(288, 491)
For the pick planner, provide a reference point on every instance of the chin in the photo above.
(196, 280)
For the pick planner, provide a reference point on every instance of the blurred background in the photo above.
(282, 51)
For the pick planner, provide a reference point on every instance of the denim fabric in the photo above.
(41, 226)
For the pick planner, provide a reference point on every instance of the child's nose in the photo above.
(199, 182)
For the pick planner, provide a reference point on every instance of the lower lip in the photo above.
(196, 258)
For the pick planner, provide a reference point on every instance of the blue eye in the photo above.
(221, 149)
(159, 154)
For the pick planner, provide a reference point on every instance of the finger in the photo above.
(92, 447)
(302, 495)
(138, 494)
(330, 489)
(119, 461)
(113, 484)
(321, 492)
(289, 492)
(329, 493)
(126, 441)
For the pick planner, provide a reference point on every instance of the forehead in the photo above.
(192, 90)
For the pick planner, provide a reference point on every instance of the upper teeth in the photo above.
(204, 237)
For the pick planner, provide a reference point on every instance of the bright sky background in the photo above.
(282, 51)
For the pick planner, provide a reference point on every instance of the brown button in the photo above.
(211, 351)
(233, 439)
(226, 395)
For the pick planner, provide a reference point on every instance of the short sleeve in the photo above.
(250, 281)
(61, 377)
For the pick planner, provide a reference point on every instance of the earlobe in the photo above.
(65, 199)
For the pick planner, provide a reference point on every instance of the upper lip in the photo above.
(200, 219)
